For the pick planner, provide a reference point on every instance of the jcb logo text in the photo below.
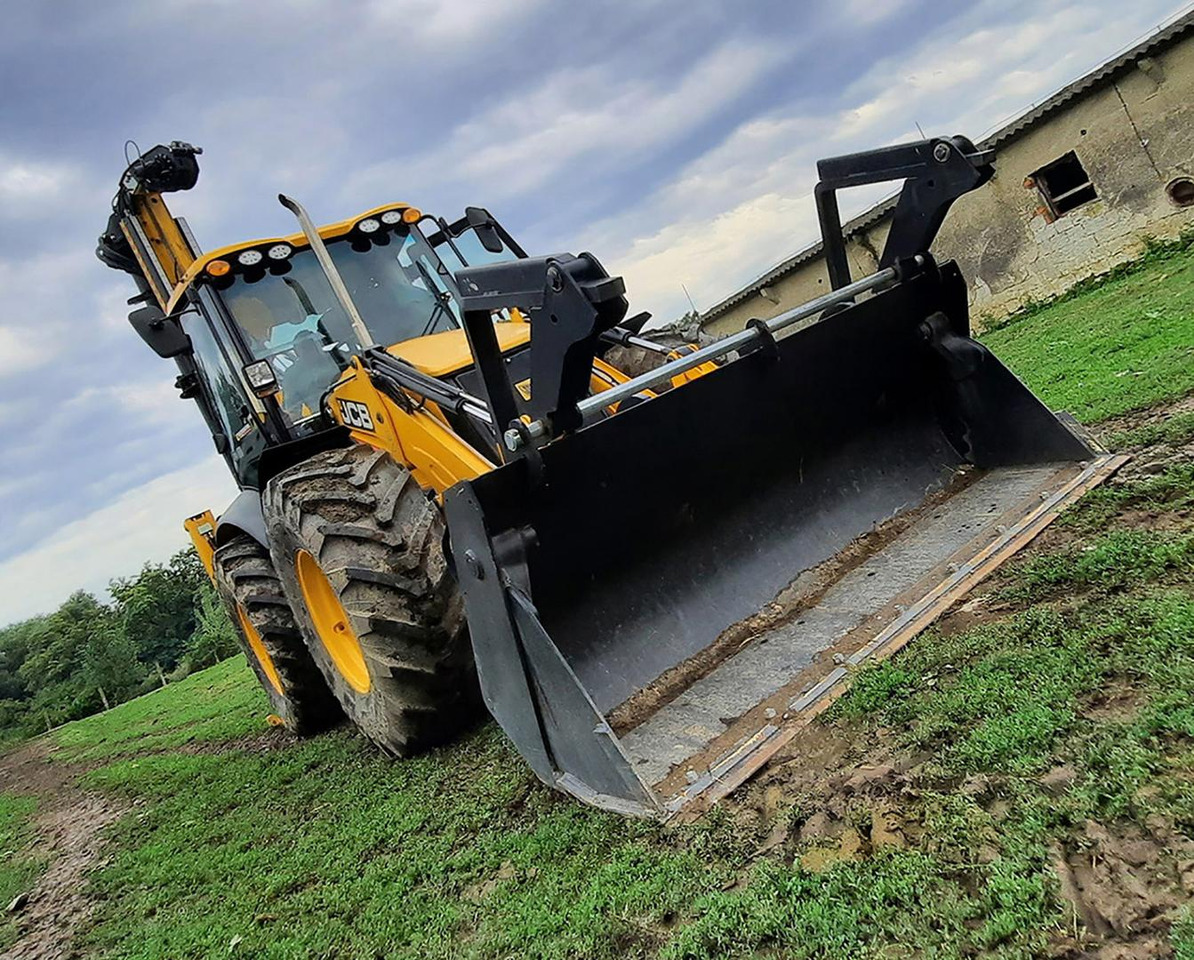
(356, 414)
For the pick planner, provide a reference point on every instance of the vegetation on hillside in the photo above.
(88, 655)
(1113, 343)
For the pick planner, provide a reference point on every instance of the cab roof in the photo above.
(299, 241)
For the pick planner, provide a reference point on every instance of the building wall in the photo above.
(802, 284)
(1132, 135)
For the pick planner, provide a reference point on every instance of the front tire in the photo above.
(270, 638)
(359, 549)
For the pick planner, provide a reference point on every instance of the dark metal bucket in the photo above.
(605, 577)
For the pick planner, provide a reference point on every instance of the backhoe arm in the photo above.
(142, 238)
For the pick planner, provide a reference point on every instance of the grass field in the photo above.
(1109, 346)
(18, 868)
(1027, 785)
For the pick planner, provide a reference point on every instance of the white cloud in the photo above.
(39, 301)
(433, 22)
(18, 352)
(533, 136)
(151, 404)
(144, 524)
(869, 12)
(745, 204)
(27, 186)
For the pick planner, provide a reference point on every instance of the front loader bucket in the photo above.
(659, 599)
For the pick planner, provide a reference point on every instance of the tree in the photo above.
(215, 636)
(157, 608)
(87, 655)
(110, 663)
(15, 643)
(52, 670)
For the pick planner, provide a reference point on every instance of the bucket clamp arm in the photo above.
(570, 301)
(935, 173)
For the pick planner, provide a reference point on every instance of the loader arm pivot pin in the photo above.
(590, 407)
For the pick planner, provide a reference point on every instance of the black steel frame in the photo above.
(935, 173)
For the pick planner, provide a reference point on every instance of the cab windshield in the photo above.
(290, 316)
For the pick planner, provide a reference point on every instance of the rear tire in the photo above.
(270, 638)
(360, 551)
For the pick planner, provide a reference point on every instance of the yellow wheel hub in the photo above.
(332, 623)
(258, 648)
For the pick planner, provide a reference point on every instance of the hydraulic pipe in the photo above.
(591, 406)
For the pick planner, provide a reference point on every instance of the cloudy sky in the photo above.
(673, 138)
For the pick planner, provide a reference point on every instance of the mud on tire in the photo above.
(379, 541)
(252, 593)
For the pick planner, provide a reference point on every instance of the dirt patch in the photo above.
(841, 793)
(1152, 417)
(1116, 703)
(68, 831)
(276, 738)
(1151, 459)
(1122, 889)
(978, 610)
(832, 794)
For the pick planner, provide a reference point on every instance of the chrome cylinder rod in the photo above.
(591, 406)
(477, 410)
(649, 345)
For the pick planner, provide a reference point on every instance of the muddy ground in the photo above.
(68, 835)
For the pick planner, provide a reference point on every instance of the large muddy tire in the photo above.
(270, 638)
(360, 550)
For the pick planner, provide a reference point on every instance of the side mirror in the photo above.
(484, 227)
(164, 336)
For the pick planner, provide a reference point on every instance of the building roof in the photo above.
(1162, 39)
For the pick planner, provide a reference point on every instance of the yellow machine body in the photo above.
(419, 436)
(201, 528)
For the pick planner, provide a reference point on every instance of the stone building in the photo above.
(1081, 181)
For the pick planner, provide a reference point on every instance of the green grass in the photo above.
(18, 868)
(1183, 936)
(212, 706)
(1005, 695)
(454, 851)
(1114, 561)
(1118, 344)
(461, 854)
(324, 849)
(841, 914)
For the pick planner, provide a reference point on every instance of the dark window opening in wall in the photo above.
(1181, 191)
(1064, 185)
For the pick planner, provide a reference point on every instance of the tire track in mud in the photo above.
(68, 832)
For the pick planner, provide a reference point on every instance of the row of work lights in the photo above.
(280, 252)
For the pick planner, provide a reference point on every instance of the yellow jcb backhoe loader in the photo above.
(655, 579)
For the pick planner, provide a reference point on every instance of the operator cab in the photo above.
(397, 265)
